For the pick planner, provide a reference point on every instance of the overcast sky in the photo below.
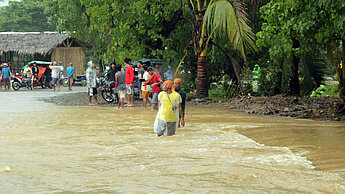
(5, 2)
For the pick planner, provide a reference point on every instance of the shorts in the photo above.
(155, 98)
(55, 81)
(163, 125)
(129, 89)
(146, 94)
(92, 91)
(6, 80)
(121, 93)
(33, 79)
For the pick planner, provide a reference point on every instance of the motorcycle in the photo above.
(101, 81)
(41, 82)
(79, 81)
(109, 92)
(20, 82)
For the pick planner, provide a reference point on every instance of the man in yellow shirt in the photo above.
(169, 110)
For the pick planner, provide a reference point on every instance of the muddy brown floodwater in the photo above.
(93, 149)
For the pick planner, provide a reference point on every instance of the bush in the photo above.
(323, 91)
(223, 90)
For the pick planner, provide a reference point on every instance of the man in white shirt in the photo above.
(55, 75)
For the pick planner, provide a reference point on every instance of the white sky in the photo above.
(5, 2)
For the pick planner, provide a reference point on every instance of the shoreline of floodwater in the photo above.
(303, 108)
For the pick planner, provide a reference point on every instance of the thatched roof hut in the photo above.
(47, 46)
(30, 42)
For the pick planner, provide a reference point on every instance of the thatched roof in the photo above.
(31, 42)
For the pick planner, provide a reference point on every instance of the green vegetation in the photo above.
(323, 91)
(25, 16)
(296, 43)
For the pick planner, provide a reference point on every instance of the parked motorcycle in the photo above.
(109, 92)
(20, 82)
(79, 81)
(41, 82)
(101, 81)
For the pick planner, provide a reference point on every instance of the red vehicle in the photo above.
(18, 81)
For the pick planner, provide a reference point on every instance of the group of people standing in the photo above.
(31, 74)
(52, 75)
(171, 101)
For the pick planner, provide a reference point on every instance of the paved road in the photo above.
(27, 100)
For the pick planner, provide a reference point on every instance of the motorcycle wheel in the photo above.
(15, 86)
(83, 83)
(65, 82)
(107, 97)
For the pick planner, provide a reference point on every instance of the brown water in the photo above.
(92, 149)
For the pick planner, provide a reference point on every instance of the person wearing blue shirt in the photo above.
(70, 72)
(6, 71)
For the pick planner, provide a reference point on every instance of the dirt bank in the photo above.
(310, 108)
(326, 108)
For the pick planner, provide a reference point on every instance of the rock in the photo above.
(299, 108)
(316, 106)
(316, 113)
(251, 112)
(293, 115)
(269, 113)
(286, 109)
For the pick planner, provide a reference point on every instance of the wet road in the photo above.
(46, 148)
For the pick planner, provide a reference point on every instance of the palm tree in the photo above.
(218, 18)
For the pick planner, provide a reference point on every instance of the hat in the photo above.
(60, 62)
(177, 81)
(168, 84)
(5, 64)
(150, 69)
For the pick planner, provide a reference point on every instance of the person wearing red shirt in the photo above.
(129, 82)
(155, 81)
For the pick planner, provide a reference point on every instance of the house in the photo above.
(22, 47)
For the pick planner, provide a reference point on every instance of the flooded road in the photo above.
(45, 148)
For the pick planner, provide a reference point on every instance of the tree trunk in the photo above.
(294, 83)
(202, 85)
(200, 50)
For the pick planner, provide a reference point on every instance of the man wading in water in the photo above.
(177, 88)
(91, 81)
(169, 110)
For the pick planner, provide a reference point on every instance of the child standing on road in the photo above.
(146, 89)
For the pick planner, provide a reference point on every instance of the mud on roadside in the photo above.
(309, 108)
(326, 108)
